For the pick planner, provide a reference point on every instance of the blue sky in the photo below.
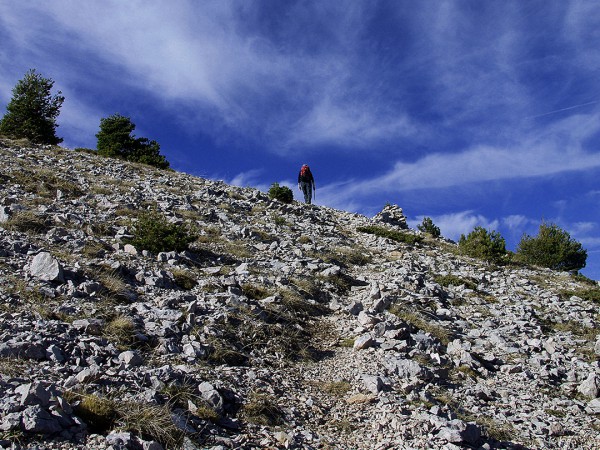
(470, 112)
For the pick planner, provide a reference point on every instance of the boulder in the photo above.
(590, 387)
(46, 267)
(363, 342)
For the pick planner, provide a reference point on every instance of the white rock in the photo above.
(131, 358)
(590, 387)
(364, 341)
(46, 267)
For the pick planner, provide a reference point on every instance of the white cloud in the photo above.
(217, 60)
(580, 228)
(246, 179)
(350, 124)
(590, 242)
(516, 222)
(78, 122)
(555, 152)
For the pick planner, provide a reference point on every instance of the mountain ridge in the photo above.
(282, 325)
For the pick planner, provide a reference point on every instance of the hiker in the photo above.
(306, 183)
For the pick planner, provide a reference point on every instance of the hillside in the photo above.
(282, 326)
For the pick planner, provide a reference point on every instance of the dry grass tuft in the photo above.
(262, 409)
(26, 221)
(121, 331)
(417, 320)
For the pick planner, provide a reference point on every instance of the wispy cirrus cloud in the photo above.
(557, 150)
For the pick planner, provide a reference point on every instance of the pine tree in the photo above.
(553, 247)
(33, 110)
(115, 140)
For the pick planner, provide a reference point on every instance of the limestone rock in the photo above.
(45, 267)
(392, 215)
(590, 387)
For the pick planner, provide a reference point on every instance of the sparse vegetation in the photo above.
(255, 291)
(262, 409)
(346, 343)
(184, 279)
(102, 414)
(418, 321)
(453, 280)
(591, 294)
(27, 221)
(13, 367)
(111, 280)
(121, 331)
(398, 236)
(335, 388)
(45, 183)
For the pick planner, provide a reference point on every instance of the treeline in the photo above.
(33, 110)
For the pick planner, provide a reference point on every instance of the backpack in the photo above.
(305, 174)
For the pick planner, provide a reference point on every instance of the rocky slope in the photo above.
(282, 326)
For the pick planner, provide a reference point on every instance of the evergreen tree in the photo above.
(115, 140)
(484, 244)
(427, 226)
(33, 110)
(553, 247)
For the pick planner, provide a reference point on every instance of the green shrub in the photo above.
(397, 236)
(154, 233)
(453, 280)
(282, 193)
(480, 243)
(32, 111)
(553, 248)
(427, 226)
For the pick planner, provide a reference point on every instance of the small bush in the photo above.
(184, 279)
(154, 233)
(553, 248)
(262, 409)
(397, 236)
(282, 193)
(483, 244)
(427, 226)
(453, 280)
(120, 330)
